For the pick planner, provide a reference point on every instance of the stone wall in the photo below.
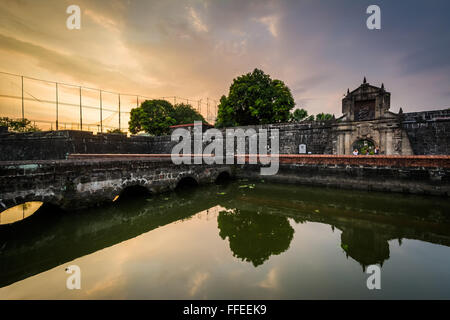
(53, 145)
(317, 136)
(428, 131)
(428, 175)
(425, 132)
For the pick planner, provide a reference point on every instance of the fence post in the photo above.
(81, 113)
(57, 107)
(119, 111)
(137, 101)
(216, 109)
(23, 107)
(207, 109)
(101, 113)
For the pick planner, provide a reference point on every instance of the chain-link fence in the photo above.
(54, 105)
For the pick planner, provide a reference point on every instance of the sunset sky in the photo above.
(194, 49)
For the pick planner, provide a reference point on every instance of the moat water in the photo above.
(242, 240)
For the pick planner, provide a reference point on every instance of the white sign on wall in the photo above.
(302, 148)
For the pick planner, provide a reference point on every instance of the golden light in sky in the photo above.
(193, 49)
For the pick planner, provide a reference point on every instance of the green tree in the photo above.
(299, 114)
(324, 116)
(116, 131)
(153, 116)
(21, 125)
(185, 113)
(254, 98)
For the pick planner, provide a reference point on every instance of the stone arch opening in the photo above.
(132, 192)
(186, 183)
(223, 177)
(364, 146)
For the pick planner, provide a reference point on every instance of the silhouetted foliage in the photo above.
(21, 125)
(116, 131)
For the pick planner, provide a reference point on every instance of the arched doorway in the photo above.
(223, 178)
(364, 146)
(186, 183)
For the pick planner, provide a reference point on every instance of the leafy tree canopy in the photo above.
(116, 131)
(324, 116)
(153, 116)
(318, 117)
(254, 98)
(185, 113)
(299, 114)
(156, 116)
(22, 125)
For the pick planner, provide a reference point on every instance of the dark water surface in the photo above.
(243, 240)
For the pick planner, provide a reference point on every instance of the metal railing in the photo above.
(52, 105)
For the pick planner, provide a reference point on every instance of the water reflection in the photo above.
(258, 227)
(368, 221)
(365, 246)
(51, 236)
(253, 236)
(19, 212)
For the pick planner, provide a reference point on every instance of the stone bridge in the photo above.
(83, 182)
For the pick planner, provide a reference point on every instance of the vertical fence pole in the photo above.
(137, 101)
(57, 106)
(119, 111)
(101, 113)
(23, 107)
(81, 113)
(207, 109)
(215, 109)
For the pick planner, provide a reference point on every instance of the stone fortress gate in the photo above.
(367, 121)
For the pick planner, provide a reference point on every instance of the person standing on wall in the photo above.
(377, 151)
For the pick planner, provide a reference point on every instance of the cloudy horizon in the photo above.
(195, 48)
